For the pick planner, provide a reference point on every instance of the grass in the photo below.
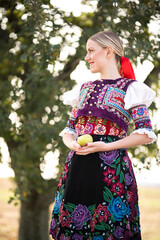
(149, 201)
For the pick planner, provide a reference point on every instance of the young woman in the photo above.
(97, 192)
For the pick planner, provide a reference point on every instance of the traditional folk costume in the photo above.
(97, 193)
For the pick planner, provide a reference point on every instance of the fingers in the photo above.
(85, 150)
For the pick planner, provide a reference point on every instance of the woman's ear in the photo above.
(109, 51)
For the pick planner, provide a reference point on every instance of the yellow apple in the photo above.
(86, 138)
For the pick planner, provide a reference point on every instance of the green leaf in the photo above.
(91, 208)
(121, 177)
(72, 205)
(110, 139)
(118, 169)
(118, 160)
(69, 207)
(105, 225)
(106, 198)
(112, 218)
(107, 195)
(99, 227)
(113, 166)
(108, 192)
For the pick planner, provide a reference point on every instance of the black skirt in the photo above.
(97, 197)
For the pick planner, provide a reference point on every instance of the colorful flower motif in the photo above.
(128, 234)
(63, 237)
(117, 188)
(128, 179)
(64, 173)
(101, 212)
(140, 111)
(113, 131)
(100, 129)
(133, 202)
(77, 237)
(80, 129)
(98, 238)
(57, 204)
(126, 159)
(110, 237)
(65, 219)
(109, 157)
(92, 224)
(130, 196)
(118, 233)
(80, 215)
(118, 209)
(53, 232)
(60, 182)
(53, 224)
(70, 155)
(110, 176)
(88, 128)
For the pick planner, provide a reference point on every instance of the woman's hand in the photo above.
(70, 141)
(91, 148)
(73, 145)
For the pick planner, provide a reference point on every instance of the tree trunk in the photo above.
(33, 223)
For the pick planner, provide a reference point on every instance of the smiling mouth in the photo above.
(91, 63)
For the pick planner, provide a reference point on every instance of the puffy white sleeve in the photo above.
(71, 98)
(137, 100)
(138, 93)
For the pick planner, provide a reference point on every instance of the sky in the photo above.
(82, 74)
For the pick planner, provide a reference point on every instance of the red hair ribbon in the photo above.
(126, 69)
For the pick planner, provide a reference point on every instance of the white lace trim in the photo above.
(150, 133)
(68, 130)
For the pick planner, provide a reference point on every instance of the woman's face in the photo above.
(96, 56)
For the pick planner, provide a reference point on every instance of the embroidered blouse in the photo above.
(107, 107)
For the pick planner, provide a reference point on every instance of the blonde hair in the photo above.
(106, 39)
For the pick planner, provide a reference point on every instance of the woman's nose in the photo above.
(87, 57)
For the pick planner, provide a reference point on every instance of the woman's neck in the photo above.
(110, 72)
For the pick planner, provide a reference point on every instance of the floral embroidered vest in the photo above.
(105, 99)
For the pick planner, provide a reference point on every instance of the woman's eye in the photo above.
(90, 50)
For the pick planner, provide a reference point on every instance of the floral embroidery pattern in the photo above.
(86, 89)
(118, 209)
(77, 237)
(80, 215)
(140, 116)
(118, 233)
(109, 157)
(57, 204)
(110, 176)
(118, 188)
(65, 219)
(115, 217)
(99, 126)
(63, 237)
(101, 213)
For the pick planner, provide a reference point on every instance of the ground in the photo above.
(149, 208)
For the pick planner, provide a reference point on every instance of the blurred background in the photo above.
(42, 49)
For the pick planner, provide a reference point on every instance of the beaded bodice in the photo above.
(105, 99)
